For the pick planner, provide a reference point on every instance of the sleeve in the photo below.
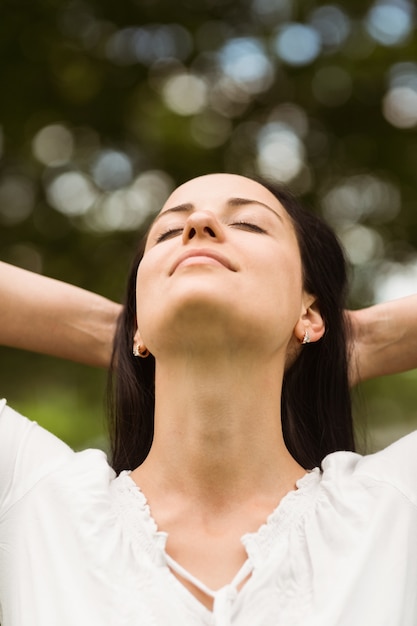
(27, 454)
(396, 465)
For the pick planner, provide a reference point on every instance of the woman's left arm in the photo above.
(384, 339)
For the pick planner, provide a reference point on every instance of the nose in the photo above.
(202, 224)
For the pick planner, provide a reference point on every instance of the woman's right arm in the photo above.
(45, 315)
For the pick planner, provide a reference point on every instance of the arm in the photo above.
(384, 339)
(45, 315)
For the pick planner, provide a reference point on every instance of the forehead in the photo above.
(218, 188)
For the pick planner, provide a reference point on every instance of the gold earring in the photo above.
(141, 351)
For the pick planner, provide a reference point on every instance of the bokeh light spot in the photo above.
(71, 193)
(362, 244)
(298, 44)
(112, 169)
(399, 107)
(128, 209)
(17, 197)
(228, 98)
(390, 23)
(185, 94)
(403, 75)
(360, 197)
(244, 61)
(280, 152)
(147, 44)
(332, 24)
(291, 115)
(277, 11)
(53, 145)
(395, 280)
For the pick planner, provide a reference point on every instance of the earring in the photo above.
(141, 351)
(306, 338)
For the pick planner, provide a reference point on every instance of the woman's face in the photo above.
(222, 264)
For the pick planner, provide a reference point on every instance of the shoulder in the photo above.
(394, 467)
(29, 453)
(19, 435)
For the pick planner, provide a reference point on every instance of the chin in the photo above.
(196, 316)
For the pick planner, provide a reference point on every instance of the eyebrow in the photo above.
(188, 207)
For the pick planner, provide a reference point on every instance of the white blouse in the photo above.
(79, 547)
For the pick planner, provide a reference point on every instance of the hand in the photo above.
(383, 339)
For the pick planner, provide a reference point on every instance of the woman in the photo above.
(223, 517)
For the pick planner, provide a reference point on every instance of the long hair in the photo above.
(316, 409)
(316, 406)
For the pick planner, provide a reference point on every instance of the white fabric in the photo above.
(78, 546)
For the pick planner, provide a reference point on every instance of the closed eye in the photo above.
(171, 232)
(248, 226)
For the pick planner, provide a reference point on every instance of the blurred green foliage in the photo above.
(106, 106)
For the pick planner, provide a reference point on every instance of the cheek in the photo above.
(285, 270)
(150, 289)
(286, 290)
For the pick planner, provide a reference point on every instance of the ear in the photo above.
(136, 337)
(138, 345)
(310, 321)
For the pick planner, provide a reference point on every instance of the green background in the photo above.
(105, 106)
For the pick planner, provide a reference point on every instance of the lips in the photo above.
(203, 252)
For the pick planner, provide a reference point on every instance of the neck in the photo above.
(218, 433)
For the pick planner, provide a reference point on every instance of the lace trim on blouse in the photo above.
(130, 499)
(259, 544)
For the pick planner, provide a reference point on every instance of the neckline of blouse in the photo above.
(258, 544)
